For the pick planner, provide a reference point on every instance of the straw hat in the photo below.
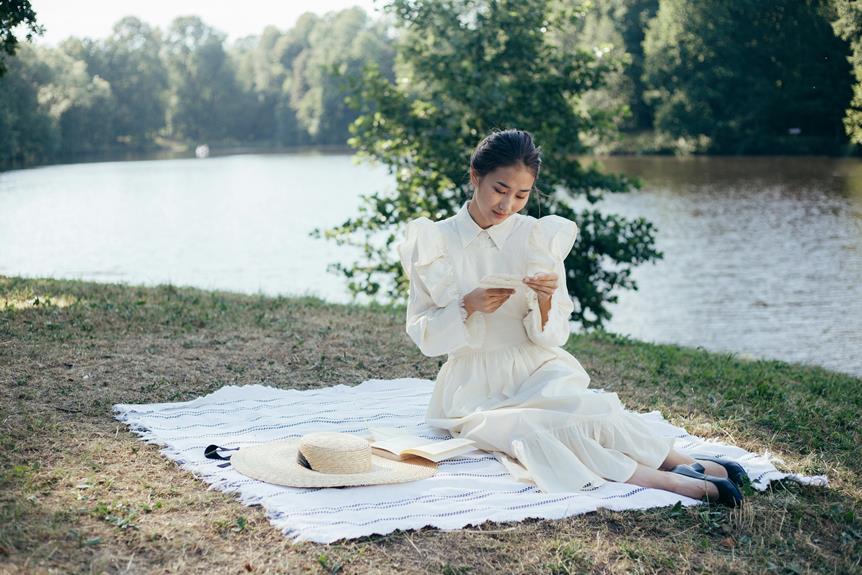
(326, 459)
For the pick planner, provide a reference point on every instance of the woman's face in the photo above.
(499, 194)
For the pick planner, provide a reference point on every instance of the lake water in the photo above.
(763, 256)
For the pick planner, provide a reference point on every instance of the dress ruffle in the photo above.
(530, 407)
(423, 254)
(550, 241)
(432, 264)
(567, 458)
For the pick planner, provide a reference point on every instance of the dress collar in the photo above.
(468, 229)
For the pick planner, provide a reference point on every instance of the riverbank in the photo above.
(79, 493)
(656, 143)
(646, 143)
(181, 151)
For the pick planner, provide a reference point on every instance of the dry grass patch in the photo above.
(80, 494)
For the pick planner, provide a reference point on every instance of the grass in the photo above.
(80, 494)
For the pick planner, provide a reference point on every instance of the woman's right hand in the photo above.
(486, 300)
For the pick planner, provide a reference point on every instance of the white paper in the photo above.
(502, 281)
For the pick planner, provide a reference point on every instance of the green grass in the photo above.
(80, 494)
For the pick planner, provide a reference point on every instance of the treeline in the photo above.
(712, 76)
(143, 88)
(730, 77)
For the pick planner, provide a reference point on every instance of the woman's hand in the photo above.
(486, 300)
(543, 284)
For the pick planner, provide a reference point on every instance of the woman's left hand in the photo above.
(543, 284)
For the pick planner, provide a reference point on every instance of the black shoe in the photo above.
(735, 472)
(728, 493)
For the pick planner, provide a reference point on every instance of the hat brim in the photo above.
(275, 462)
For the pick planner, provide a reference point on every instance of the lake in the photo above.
(763, 256)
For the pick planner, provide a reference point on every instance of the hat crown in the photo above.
(335, 452)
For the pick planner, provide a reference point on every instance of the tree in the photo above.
(848, 26)
(129, 61)
(12, 14)
(340, 42)
(27, 134)
(737, 77)
(464, 67)
(633, 25)
(294, 43)
(260, 75)
(76, 100)
(205, 96)
(292, 94)
(619, 25)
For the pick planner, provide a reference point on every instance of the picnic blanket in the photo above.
(467, 490)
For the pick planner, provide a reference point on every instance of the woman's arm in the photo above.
(440, 330)
(547, 322)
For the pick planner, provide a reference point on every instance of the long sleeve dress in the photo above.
(507, 383)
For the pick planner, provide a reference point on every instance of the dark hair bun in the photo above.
(502, 148)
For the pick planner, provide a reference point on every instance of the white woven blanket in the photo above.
(469, 489)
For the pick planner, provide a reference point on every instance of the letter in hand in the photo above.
(486, 300)
(544, 284)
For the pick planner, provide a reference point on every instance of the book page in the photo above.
(442, 447)
(399, 444)
(381, 433)
(393, 456)
(443, 450)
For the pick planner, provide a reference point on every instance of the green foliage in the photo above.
(204, 91)
(737, 77)
(632, 29)
(140, 89)
(619, 26)
(265, 70)
(848, 26)
(463, 71)
(340, 43)
(76, 101)
(14, 13)
(711, 76)
(27, 135)
(128, 60)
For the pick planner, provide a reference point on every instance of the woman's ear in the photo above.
(474, 178)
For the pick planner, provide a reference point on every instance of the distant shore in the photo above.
(645, 143)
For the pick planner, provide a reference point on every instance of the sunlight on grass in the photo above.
(68, 478)
(18, 301)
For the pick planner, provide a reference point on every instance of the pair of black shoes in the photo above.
(728, 488)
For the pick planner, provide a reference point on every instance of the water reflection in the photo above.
(235, 223)
(762, 255)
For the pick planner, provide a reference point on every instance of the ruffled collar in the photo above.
(468, 229)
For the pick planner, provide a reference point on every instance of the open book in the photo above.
(392, 444)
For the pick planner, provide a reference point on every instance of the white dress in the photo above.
(507, 383)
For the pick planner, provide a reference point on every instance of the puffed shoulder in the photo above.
(423, 238)
(554, 235)
(423, 252)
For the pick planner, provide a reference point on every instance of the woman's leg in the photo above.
(682, 484)
(675, 458)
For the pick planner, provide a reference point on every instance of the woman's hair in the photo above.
(502, 148)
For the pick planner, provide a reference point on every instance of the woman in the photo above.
(507, 383)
